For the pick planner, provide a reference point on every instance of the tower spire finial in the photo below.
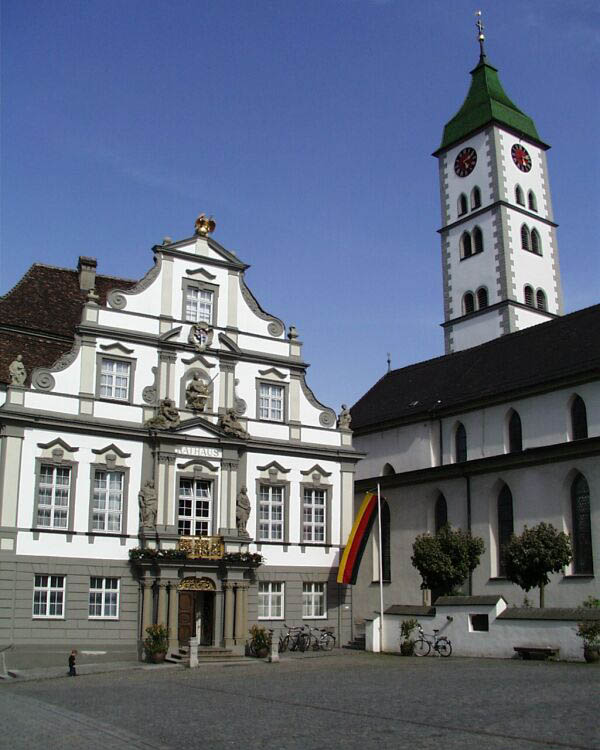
(480, 35)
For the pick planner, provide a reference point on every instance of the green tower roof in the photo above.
(486, 102)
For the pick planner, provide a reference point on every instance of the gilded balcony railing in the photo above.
(205, 547)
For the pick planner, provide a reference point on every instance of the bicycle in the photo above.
(292, 640)
(428, 641)
(325, 640)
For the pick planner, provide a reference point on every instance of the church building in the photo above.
(163, 459)
(504, 430)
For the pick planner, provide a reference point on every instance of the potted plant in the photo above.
(156, 643)
(407, 644)
(260, 642)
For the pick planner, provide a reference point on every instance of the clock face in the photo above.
(465, 162)
(521, 157)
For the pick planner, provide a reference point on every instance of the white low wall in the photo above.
(455, 622)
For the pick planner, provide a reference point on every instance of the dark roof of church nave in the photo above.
(536, 357)
(39, 315)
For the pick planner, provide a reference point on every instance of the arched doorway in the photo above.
(196, 611)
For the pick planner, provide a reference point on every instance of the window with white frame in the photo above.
(270, 513)
(53, 496)
(48, 596)
(114, 379)
(104, 597)
(313, 515)
(195, 507)
(270, 404)
(198, 304)
(107, 502)
(270, 600)
(313, 600)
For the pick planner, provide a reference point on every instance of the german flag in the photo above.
(357, 541)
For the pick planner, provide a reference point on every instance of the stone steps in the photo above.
(205, 653)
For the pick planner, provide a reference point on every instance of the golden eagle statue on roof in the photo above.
(204, 226)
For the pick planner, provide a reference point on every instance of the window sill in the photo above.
(376, 583)
(265, 619)
(105, 619)
(473, 255)
(107, 400)
(47, 617)
(498, 579)
(314, 617)
(578, 575)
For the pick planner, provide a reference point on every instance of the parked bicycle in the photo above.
(317, 638)
(292, 640)
(427, 641)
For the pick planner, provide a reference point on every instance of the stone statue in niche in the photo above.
(230, 424)
(167, 417)
(344, 418)
(148, 501)
(18, 373)
(197, 393)
(242, 511)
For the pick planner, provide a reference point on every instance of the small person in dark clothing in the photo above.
(72, 657)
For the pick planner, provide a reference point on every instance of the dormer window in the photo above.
(199, 302)
(115, 376)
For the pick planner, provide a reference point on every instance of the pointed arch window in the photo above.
(468, 303)
(525, 243)
(441, 512)
(540, 299)
(475, 198)
(515, 433)
(482, 298)
(531, 201)
(386, 555)
(460, 443)
(478, 240)
(583, 559)
(579, 426)
(505, 525)
(528, 295)
(536, 242)
(519, 196)
(462, 204)
(466, 249)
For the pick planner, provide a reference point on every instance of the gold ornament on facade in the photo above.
(204, 225)
(205, 547)
(197, 584)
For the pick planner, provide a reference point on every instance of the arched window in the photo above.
(524, 237)
(460, 443)
(475, 198)
(540, 299)
(505, 525)
(528, 295)
(478, 240)
(465, 245)
(519, 196)
(579, 427)
(462, 204)
(515, 434)
(386, 557)
(482, 298)
(468, 303)
(583, 560)
(536, 242)
(388, 469)
(441, 512)
(531, 201)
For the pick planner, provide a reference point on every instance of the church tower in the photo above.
(499, 249)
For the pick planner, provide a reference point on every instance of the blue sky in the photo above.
(306, 128)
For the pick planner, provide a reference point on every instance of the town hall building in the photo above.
(163, 459)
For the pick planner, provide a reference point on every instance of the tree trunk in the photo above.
(542, 596)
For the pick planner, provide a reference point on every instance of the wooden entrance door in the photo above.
(187, 616)
(207, 613)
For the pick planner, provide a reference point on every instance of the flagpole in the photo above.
(380, 569)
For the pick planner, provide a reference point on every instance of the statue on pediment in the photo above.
(230, 424)
(204, 225)
(197, 393)
(344, 418)
(242, 511)
(17, 371)
(148, 501)
(167, 417)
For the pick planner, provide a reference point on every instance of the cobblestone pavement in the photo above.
(344, 699)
